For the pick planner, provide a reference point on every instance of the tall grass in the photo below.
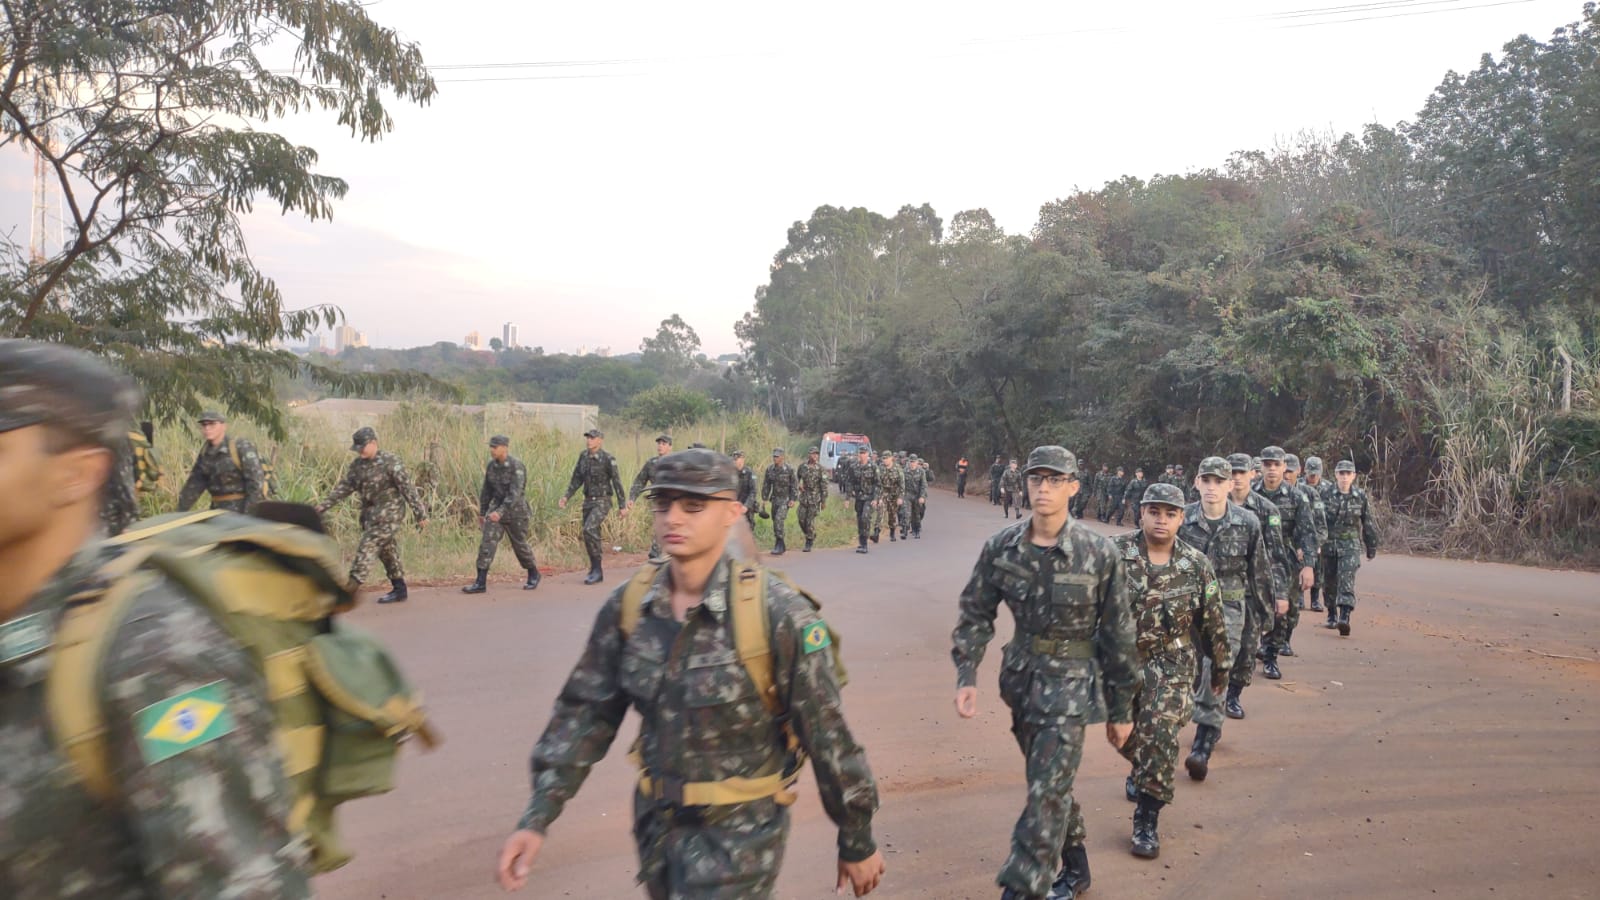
(446, 451)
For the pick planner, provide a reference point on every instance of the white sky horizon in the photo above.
(653, 158)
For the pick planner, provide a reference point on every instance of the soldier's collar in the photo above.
(1022, 529)
(713, 600)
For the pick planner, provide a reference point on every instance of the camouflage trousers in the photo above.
(1009, 499)
(594, 516)
(1256, 627)
(807, 512)
(734, 854)
(517, 531)
(1207, 706)
(1318, 590)
(1283, 626)
(915, 509)
(1163, 706)
(780, 518)
(863, 520)
(1051, 819)
(1339, 579)
(378, 542)
(237, 506)
(889, 512)
(994, 493)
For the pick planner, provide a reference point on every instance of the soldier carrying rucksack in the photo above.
(139, 741)
(228, 468)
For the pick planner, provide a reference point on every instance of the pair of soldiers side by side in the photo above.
(716, 759)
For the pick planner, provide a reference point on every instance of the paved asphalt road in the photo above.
(1448, 747)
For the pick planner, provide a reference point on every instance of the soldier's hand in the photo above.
(1117, 733)
(1221, 687)
(423, 525)
(1282, 606)
(623, 512)
(494, 517)
(1308, 577)
(562, 503)
(516, 858)
(966, 702)
(861, 877)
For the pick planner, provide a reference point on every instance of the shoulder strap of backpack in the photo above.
(72, 688)
(632, 598)
(233, 453)
(752, 632)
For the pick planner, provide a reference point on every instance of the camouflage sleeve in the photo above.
(806, 678)
(1118, 648)
(517, 490)
(484, 492)
(255, 480)
(1262, 578)
(407, 488)
(583, 724)
(794, 482)
(640, 482)
(119, 502)
(1305, 529)
(203, 798)
(577, 477)
(980, 602)
(193, 486)
(1272, 533)
(766, 485)
(345, 487)
(1213, 629)
(616, 481)
(1369, 529)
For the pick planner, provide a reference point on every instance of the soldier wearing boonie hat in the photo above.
(503, 511)
(227, 468)
(1066, 591)
(208, 817)
(711, 810)
(1350, 529)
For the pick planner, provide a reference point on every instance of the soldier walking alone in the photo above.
(1071, 662)
(596, 472)
(1349, 527)
(503, 512)
(1011, 490)
(383, 487)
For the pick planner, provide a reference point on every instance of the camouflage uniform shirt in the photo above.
(702, 721)
(598, 475)
(1237, 548)
(207, 822)
(778, 484)
(505, 490)
(214, 472)
(383, 488)
(813, 484)
(1299, 523)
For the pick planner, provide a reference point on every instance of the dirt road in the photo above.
(1447, 747)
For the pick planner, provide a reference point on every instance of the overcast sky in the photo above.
(648, 158)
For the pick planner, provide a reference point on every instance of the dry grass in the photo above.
(446, 451)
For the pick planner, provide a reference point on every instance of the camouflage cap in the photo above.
(911, 456)
(1344, 465)
(1291, 462)
(1163, 493)
(499, 440)
(1273, 452)
(814, 450)
(664, 439)
(737, 454)
(702, 472)
(51, 384)
(863, 449)
(594, 433)
(777, 452)
(1214, 465)
(887, 454)
(1053, 458)
(1313, 465)
(211, 415)
(362, 437)
(1240, 462)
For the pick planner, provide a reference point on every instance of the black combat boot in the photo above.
(595, 576)
(917, 534)
(807, 547)
(1146, 842)
(1269, 664)
(1129, 791)
(533, 580)
(477, 587)
(1288, 635)
(1014, 894)
(398, 594)
(1231, 705)
(1316, 601)
(891, 535)
(1073, 879)
(875, 536)
(1199, 761)
(778, 549)
(1343, 622)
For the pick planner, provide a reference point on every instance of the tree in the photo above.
(496, 345)
(147, 118)
(667, 405)
(672, 351)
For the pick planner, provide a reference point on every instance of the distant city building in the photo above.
(346, 336)
(473, 341)
(508, 336)
(314, 344)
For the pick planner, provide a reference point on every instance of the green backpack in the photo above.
(342, 708)
(146, 465)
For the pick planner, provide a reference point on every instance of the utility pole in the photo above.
(1566, 380)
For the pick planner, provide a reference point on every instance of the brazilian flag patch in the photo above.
(816, 637)
(1211, 589)
(182, 723)
(1274, 521)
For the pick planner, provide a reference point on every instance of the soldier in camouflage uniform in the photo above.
(812, 495)
(702, 723)
(1349, 527)
(861, 483)
(916, 497)
(207, 821)
(996, 472)
(1071, 662)
(237, 487)
(1011, 490)
(747, 488)
(891, 496)
(1177, 609)
(1115, 485)
(1133, 497)
(503, 512)
(597, 473)
(642, 481)
(1318, 488)
(1257, 623)
(119, 500)
(1232, 538)
(381, 484)
(1319, 520)
(1300, 541)
(778, 489)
